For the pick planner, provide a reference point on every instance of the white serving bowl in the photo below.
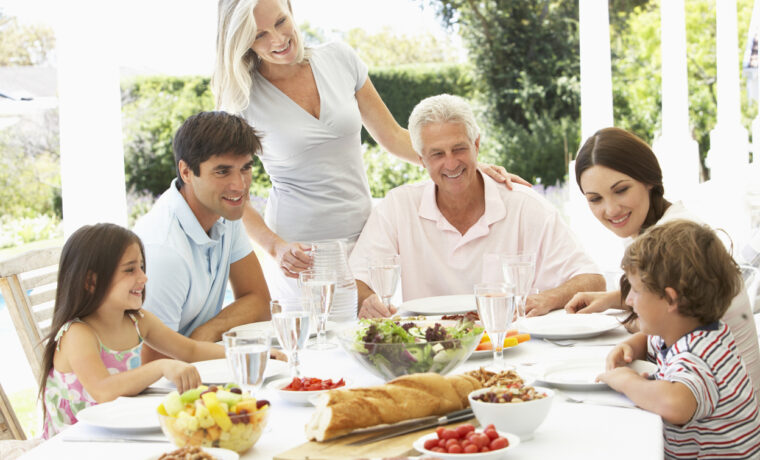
(520, 418)
(297, 397)
(513, 439)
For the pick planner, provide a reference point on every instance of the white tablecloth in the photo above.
(571, 430)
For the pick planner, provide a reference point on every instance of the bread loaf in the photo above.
(340, 412)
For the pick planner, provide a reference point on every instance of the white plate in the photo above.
(574, 375)
(513, 439)
(480, 354)
(296, 397)
(267, 325)
(216, 452)
(442, 305)
(124, 414)
(216, 372)
(566, 326)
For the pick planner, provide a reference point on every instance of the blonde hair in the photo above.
(235, 60)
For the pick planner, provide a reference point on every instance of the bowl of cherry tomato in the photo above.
(465, 442)
(302, 390)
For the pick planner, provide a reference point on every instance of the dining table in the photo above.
(583, 423)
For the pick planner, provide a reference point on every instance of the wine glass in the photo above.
(384, 273)
(518, 270)
(496, 308)
(290, 318)
(318, 286)
(247, 355)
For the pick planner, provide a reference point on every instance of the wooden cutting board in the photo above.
(338, 448)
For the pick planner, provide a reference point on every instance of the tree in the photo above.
(24, 44)
(526, 59)
(389, 49)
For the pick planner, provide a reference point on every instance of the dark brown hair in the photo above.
(206, 134)
(624, 152)
(689, 258)
(88, 262)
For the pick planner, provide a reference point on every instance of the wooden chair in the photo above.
(28, 283)
(10, 428)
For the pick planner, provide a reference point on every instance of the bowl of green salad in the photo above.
(390, 348)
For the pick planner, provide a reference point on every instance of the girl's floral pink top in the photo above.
(64, 394)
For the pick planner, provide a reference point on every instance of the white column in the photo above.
(596, 67)
(676, 150)
(92, 155)
(729, 143)
(596, 113)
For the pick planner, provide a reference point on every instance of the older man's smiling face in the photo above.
(450, 157)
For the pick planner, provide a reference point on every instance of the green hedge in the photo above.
(154, 107)
(402, 87)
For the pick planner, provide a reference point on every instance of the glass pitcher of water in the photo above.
(333, 255)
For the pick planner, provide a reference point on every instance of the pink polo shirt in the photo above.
(437, 260)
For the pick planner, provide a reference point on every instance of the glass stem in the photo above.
(321, 330)
(295, 370)
(497, 342)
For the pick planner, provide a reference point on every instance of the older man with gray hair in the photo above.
(443, 228)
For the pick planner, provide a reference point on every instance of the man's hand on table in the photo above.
(542, 303)
(373, 307)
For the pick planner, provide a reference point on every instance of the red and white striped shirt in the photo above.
(726, 423)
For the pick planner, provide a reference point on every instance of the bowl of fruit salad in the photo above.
(391, 348)
(214, 416)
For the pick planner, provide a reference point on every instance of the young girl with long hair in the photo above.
(92, 354)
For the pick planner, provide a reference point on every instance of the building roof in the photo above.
(28, 81)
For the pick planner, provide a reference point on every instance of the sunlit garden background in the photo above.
(517, 61)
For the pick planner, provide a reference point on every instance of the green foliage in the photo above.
(18, 231)
(385, 172)
(389, 49)
(402, 87)
(153, 108)
(22, 45)
(525, 56)
(29, 167)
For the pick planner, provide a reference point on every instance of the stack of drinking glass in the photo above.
(333, 255)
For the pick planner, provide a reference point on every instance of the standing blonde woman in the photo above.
(310, 105)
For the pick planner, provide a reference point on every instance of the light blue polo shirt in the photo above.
(187, 269)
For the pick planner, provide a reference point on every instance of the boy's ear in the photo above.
(90, 281)
(672, 297)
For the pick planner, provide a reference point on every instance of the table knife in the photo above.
(427, 422)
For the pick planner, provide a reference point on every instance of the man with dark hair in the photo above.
(194, 239)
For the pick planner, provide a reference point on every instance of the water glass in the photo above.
(384, 273)
(247, 356)
(496, 308)
(518, 270)
(290, 319)
(318, 287)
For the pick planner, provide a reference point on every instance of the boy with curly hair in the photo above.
(682, 280)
